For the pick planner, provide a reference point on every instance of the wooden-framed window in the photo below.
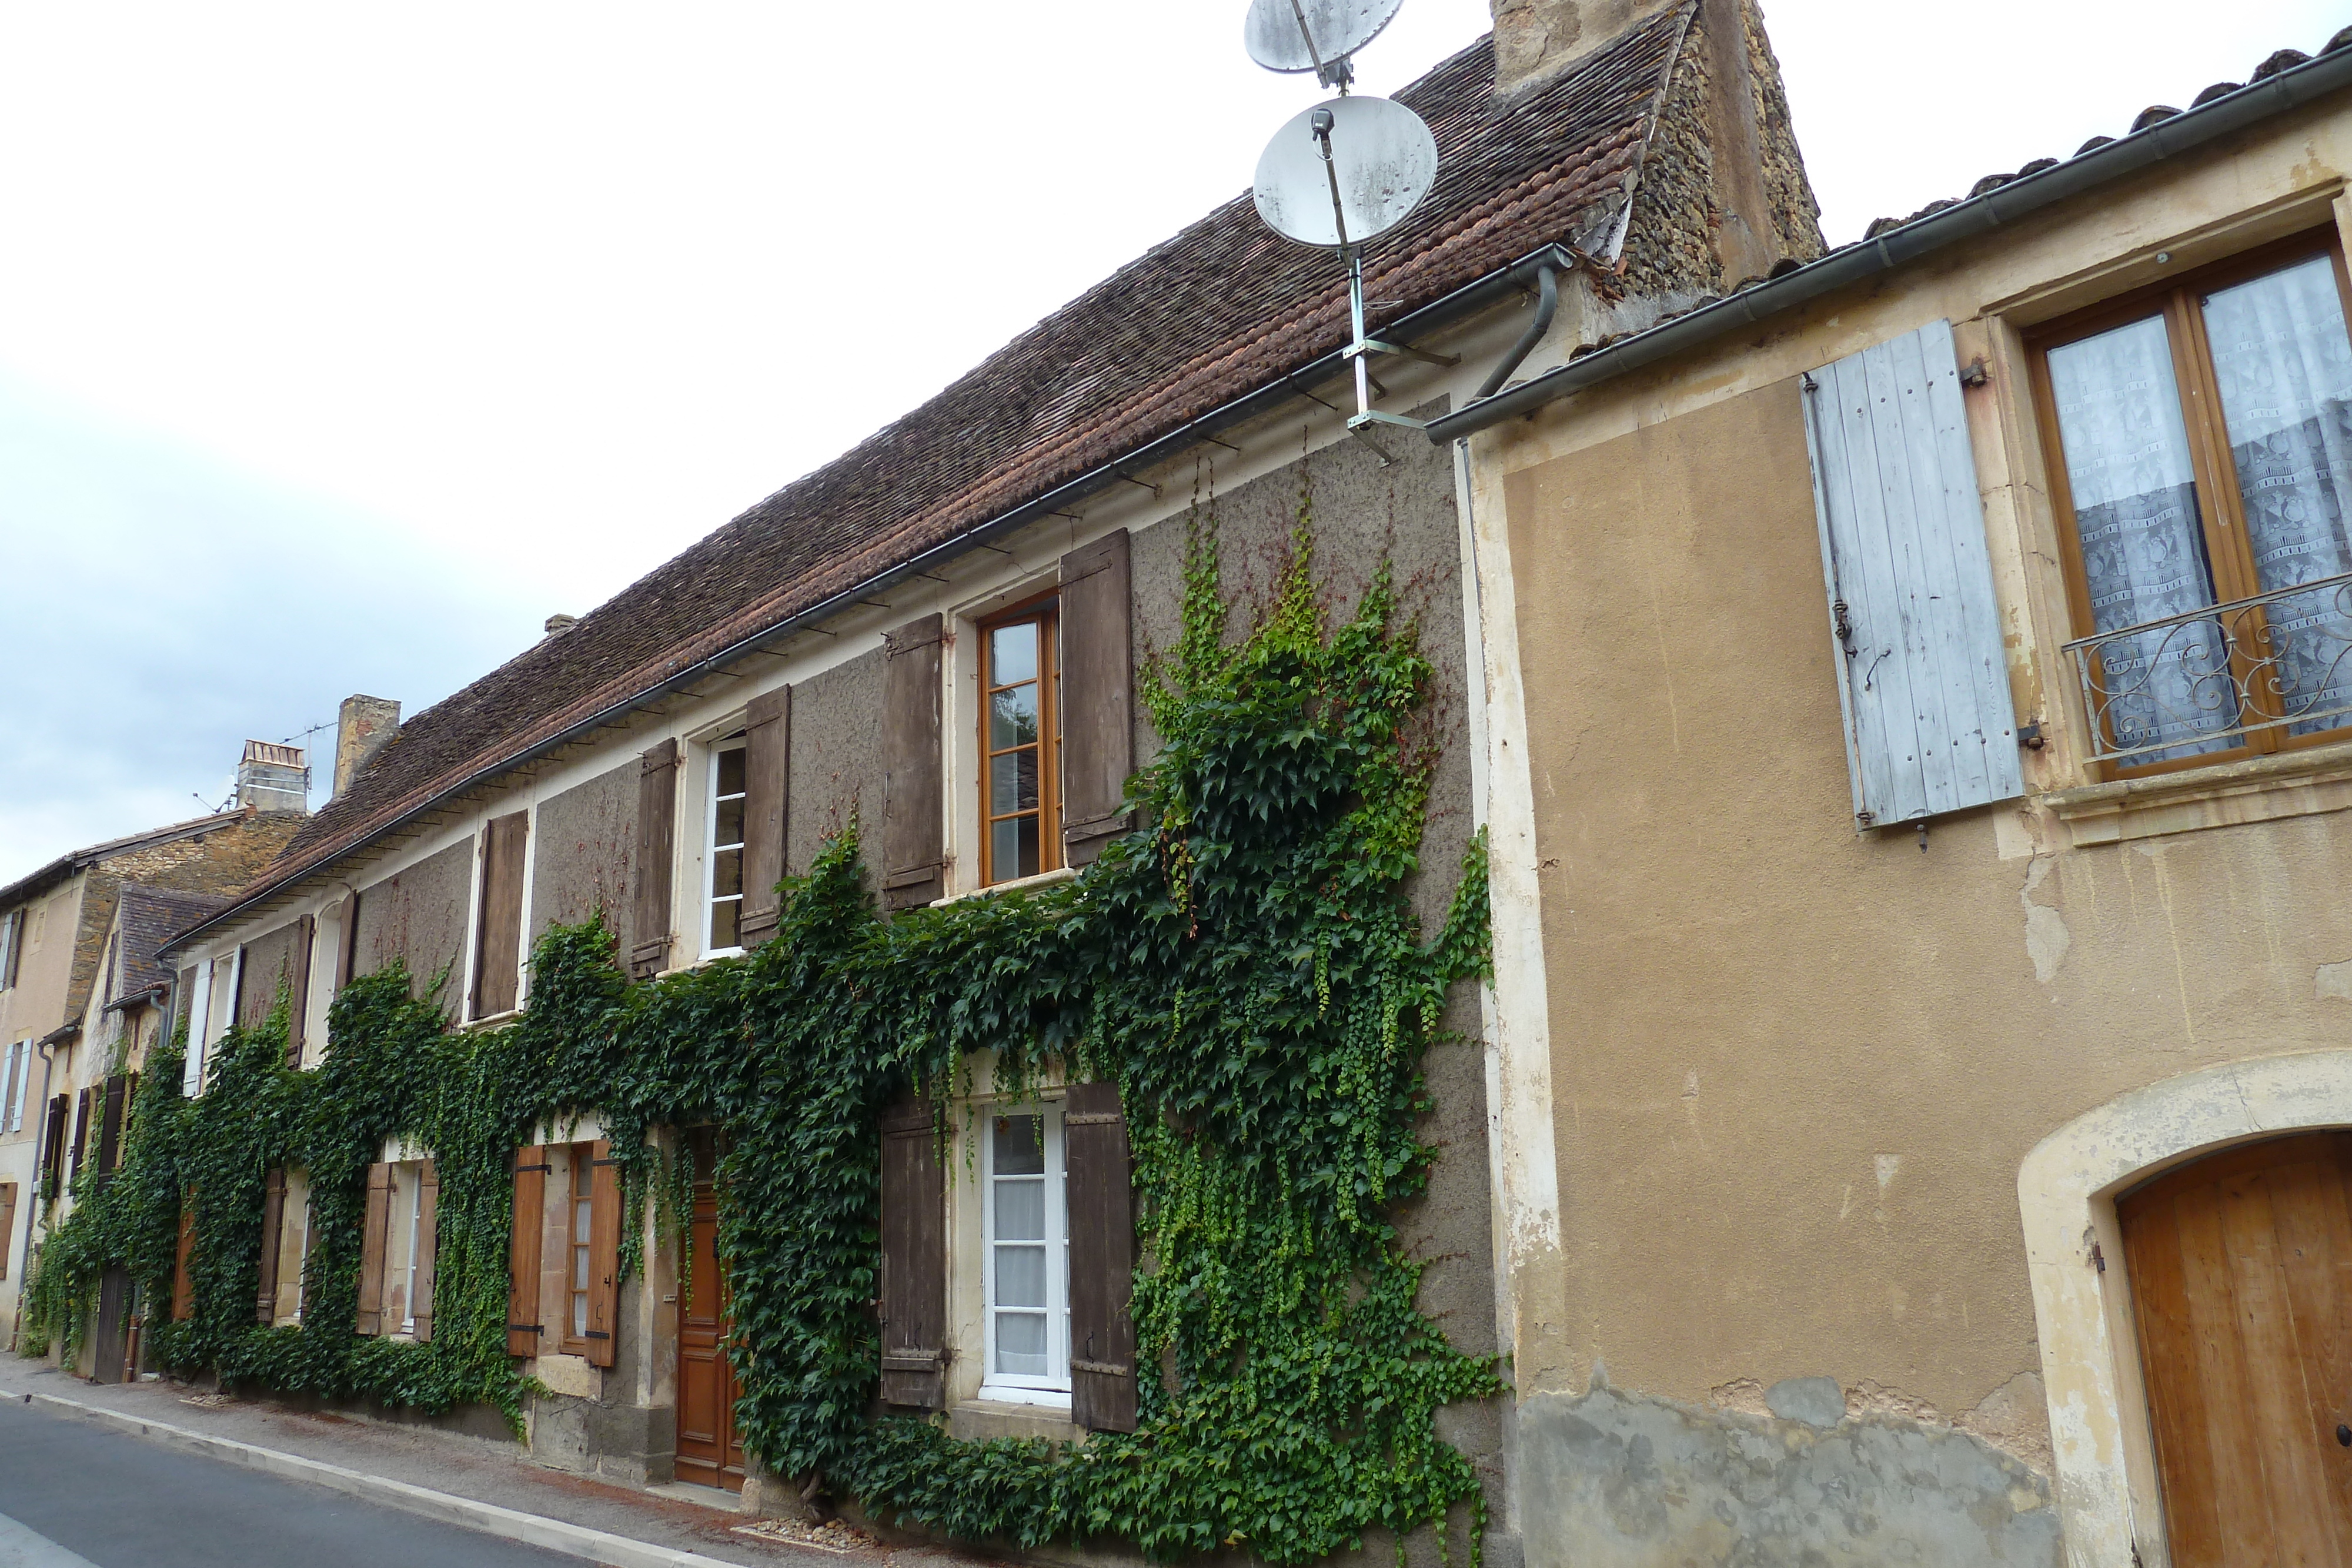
(722, 848)
(1025, 1260)
(1020, 742)
(2201, 438)
(579, 1243)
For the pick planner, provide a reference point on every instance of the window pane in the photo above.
(1005, 849)
(1021, 1276)
(1020, 1146)
(580, 1206)
(1004, 782)
(730, 772)
(2286, 373)
(579, 1317)
(2127, 453)
(1021, 1344)
(1025, 854)
(728, 828)
(1013, 654)
(1012, 717)
(724, 930)
(726, 874)
(1021, 1210)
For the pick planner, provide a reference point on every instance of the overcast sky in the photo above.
(341, 345)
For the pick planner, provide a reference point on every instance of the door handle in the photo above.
(2343, 1435)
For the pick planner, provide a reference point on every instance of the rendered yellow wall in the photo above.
(1795, 1069)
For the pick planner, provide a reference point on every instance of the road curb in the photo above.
(513, 1524)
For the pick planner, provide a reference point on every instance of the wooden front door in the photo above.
(2241, 1285)
(113, 1314)
(710, 1452)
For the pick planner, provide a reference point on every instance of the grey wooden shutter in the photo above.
(530, 1173)
(767, 756)
(1102, 1259)
(80, 1132)
(236, 988)
(1922, 681)
(306, 936)
(1098, 697)
(12, 941)
(53, 1146)
(428, 1247)
(497, 945)
(914, 1260)
(347, 951)
(375, 1234)
(657, 834)
(914, 844)
(273, 1221)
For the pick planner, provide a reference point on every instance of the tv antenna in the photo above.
(1341, 173)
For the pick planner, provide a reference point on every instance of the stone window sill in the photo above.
(1018, 885)
(973, 1420)
(2256, 790)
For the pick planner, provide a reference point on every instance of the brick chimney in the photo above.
(273, 778)
(1535, 40)
(363, 728)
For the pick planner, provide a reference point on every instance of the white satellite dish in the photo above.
(1314, 34)
(1345, 171)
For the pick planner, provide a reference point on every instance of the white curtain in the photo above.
(2135, 495)
(2284, 369)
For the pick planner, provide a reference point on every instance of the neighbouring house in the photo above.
(81, 998)
(940, 635)
(1918, 691)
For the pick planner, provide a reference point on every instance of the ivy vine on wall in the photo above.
(1246, 965)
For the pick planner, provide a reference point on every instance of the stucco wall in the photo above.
(268, 960)
(1361, 512)
(420, 915)
(836, 759)
(580, 861)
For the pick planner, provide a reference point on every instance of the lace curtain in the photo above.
(2284, 369)
(2135, 495)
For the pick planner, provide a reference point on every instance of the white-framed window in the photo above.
(1025, 1255)
(582, 1232)
(722, 850)
(415, 1233)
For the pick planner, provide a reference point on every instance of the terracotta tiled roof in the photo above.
(150, 915)
(1221, 309)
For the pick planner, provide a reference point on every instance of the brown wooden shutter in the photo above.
(273, 1222)
(109, 1125)
(914, 845)
(914, 1260)
(298, 989)
(347, 951)
(603, 1254)
(184, 1275)
(80, 1132)
(53, 1146)
(1102, 1259)
(767, 756)
(657, 848)
(428, 1247)
(1098, 698)
(498, 948)
(8, 1223)
(375, 1236)
(523, 1251)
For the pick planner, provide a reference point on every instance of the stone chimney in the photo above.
(273, 778)
(1535, 40)
(363, 728)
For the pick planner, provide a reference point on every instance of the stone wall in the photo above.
(586, 838)
(420, 915)
(836, 759)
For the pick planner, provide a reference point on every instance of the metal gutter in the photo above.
(1466, 301)
(2289, 89)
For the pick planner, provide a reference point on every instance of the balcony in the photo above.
(2229, 677)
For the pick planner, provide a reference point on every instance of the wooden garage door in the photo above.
(2242, 1284)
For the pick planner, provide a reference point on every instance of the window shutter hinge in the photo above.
(1094, 1119)
(1101, 1368)
(598, 1333)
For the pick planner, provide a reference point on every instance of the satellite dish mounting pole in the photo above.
(1351, 257)
(1339, 73)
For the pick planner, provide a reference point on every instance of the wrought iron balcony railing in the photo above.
(2205, 679)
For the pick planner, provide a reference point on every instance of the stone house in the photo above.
(831, 652)
(80, 1002)
(1916, 717)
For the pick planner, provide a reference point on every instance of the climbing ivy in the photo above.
(1245, 965)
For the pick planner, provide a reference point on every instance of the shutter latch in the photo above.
(1843, 619)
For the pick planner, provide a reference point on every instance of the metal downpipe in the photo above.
(1547, 305)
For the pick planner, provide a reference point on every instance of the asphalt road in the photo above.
(74, 1493)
